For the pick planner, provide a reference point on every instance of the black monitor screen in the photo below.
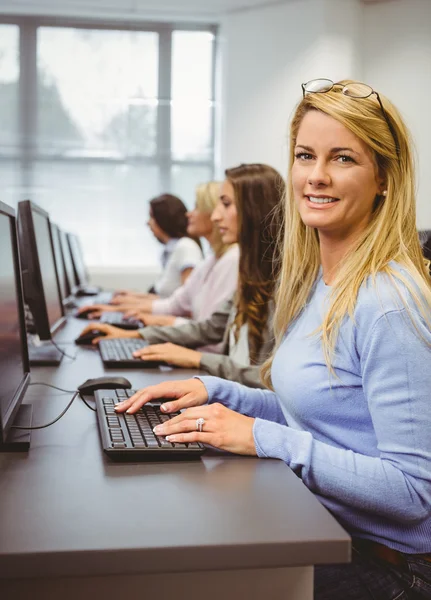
(12, 368)
(68, 265)
(78, 259)
(59, 261)
(47, 267)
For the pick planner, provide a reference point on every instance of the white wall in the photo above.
(268, 52)
(397, 62)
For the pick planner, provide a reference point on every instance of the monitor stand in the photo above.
(18, 440)
(45, 355)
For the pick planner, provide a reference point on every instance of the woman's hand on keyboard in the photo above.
(144, 306)
(128, 299)
(149, 319)
(93, 311)
(221, 428)
(172, 354)
(181, 394)
(108, 332)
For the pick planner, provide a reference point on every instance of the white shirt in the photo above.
(178, 255)
(239, 351)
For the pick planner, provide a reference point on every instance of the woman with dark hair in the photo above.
(168, 223)
(245, 214)
(212, 282)
(182, 252)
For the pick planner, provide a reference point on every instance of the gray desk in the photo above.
(74, 525)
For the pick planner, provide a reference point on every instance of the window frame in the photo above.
(27, 121)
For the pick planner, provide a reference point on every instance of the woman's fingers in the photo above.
(103, 337)
(171, 354)
(183, 426)
(135, 402)
(155, 352)
(150, 350)
(107, 331)
(186, 401)
(221, 427)
(92, 327)
(193, 436)
(190, 392)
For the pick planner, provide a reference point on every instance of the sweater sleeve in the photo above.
(193, 334)
(395, 359)
(179, 303)
(242, 399)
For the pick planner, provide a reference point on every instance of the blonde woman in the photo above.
(211, 283)
(248, 214)
(351, 409)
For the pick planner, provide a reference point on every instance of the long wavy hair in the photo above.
(258, 191)
(390, 235)
(207, 197)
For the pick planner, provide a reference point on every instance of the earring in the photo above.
(385, 193)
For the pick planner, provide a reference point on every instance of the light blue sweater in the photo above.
(361, 442)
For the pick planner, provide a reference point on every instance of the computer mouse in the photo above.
(104, 383)
(84, 314)
(86, 338)
(87, 291)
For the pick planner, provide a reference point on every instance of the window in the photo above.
(9, 113)
(116, 117)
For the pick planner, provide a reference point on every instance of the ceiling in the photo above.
(150, 9)
(202, 9)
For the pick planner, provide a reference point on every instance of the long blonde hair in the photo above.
(391, 234)
(207, 197)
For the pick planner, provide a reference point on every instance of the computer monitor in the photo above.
(39, 274)
(14, 365)
(59, 261)
(81, 275)
(80, 271)
(66, 288)
(67, 264)
(425, 239)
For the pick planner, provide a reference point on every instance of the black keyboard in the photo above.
(118, 353)
(117, 318)
(131, 437)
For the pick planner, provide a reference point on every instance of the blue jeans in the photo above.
(367, 578)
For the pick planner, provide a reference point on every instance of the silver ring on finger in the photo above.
(200, 424)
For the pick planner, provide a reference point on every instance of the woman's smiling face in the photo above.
(334, 177)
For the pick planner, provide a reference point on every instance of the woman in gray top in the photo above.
(245, 214)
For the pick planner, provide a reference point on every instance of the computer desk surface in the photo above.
(66, 511)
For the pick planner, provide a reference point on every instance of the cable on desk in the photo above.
(52, 386)
(86, 403)
(52, 422)
(75, 393)
(62, 351)
(63, 390)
